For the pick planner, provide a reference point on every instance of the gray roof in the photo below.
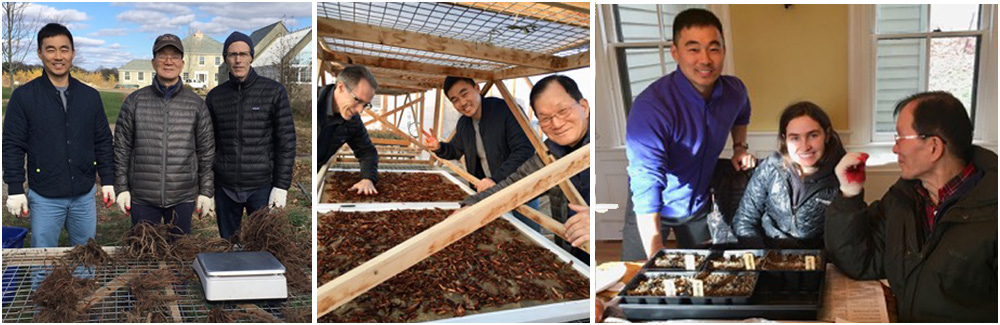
(259, 34)
(138, 64)
(195, 44)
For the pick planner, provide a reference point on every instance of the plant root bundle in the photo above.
(271, 231)
(150, 295)
(89, 255)
(58, 295)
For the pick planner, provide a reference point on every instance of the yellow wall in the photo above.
(789, 55)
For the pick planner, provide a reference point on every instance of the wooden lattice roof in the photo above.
(412, 46)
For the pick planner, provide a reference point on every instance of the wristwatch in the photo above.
(744, 145)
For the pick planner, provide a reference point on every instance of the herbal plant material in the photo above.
(268, 230)
(150, 297)
(393, 187)
(90, 255)
(146, 241)
(677, 260)
(775, 261)
(58, 295)
(491, 269)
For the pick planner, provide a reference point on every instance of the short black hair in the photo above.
(695, 17)
(568, 84)
(353, 73)
(52, 30)
(939, 113)
(451, 81)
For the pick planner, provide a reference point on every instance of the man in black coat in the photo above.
(933, 234)
(59, 123)
(254, 138)
(488, 136)
(339, 108)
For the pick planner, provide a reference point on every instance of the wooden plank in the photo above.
(175, 310)
(437, 113)
(386, 114)
(107, 289)
(370, 274)
(417, 143)
(543, 152)
(397, 64)
(566, 15)
(353, 31)
(549, 223)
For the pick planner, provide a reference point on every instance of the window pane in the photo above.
(669, 13)
(640, 67)
(954, 17)
(637, 23)
(901, 18)
(900, 72)
(953, 68)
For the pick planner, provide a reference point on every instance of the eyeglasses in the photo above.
(562, 114)
(364, 104)
(234, 55)
(916, 136)
(168, 57)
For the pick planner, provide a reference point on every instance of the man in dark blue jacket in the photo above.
(339, 108)
(254, 138)
(488, 136)
(59, 123)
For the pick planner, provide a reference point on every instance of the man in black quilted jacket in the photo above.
(338, 115)
(254, 138)
(164, 147)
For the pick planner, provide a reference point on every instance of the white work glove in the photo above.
(108, 195)
(851, 173)
(125, 202)
(277, 199)
(17, 205)
(205, 206)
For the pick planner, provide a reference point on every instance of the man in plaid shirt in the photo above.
(933, 235)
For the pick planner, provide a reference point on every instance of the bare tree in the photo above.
(16, 35)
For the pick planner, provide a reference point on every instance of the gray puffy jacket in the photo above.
(164, 147)
(766, 217)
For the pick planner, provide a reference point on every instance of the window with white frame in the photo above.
(641, 42)
(925, 47)
(140, 75)
(128, 75)
(218, 60)
(201, 60)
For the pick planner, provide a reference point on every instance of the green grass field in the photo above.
(112, 103)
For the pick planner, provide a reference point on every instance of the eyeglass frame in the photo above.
(246, 55)
(898, 137)
(173, 58)
(364, 105)
(548, 119)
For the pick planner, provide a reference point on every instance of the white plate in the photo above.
(609, 275)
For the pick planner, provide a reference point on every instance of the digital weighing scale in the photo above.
(241, 276)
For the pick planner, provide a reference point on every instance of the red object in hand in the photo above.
(856, 173)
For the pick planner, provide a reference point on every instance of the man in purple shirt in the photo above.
(676, 130)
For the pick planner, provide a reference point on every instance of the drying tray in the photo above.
(547, 313)
(112, 299)
(418, 205)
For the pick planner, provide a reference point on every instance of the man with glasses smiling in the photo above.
(339, 116)
(564, 116)
(933, 234)
(254, 138)
(164, 147)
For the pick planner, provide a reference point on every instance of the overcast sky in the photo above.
(112, 34)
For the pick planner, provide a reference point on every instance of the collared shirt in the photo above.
(673, 138)
(947, 195)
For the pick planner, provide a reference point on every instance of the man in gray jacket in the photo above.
(164, 146)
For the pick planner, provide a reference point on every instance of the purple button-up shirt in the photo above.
(673, 139)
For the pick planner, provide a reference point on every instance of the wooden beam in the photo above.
(549, 223)
(396, 64)
(543, 152)
(386, 114)
(437, 113)
(450, 165)
(486, 87)
(575, 61)
(565, 15)
(359, 280)
(348, 30)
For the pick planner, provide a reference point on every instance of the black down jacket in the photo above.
(254, 133)
(164, 147)
(950, 277)
(766, 216)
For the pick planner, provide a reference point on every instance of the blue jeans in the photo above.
(229, 212)
(78, 214)
(530, 223)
